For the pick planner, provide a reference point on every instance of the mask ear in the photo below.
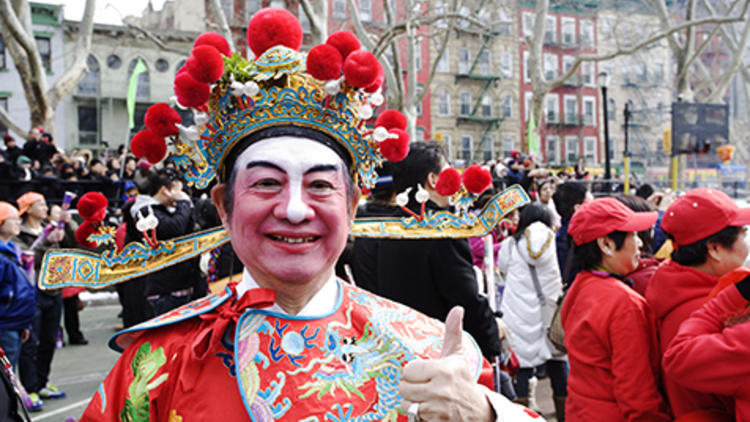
(218, 196)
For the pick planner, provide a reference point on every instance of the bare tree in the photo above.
(317, 15)
(42, 100)
(398, 45)
(670, 30)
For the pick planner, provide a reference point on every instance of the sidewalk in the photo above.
(99, 298)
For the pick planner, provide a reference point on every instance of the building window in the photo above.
(528, 23)
(161, 65)
(114, 62)
(365, 10)
(550, 66)
(587, 33)
(143, 91)
(526, 71)
(571, 109)
(611, 109)
(488, 147)
(550, 29)
(568, 30)
(553, 149)
(464, 61)
(228, 7)
(587, 73)
(2, 52)
(418, 56)
(252, 6)
(420, 88)
(486, 105)
(571, 149)
(466, 147)
(589, 110)
(485, 67)
(527, 105)
(465, 103)
(89, 85)
(567, 64)
(506, 64)
(444, 103)
(589, 150)
(553, 108)
(504, 23)
(88, 124)
(658, 73)
(445, 141)
(303, 19)
(45, 52)
(440, 11)
(420, 134)
(508, 145)
(444, 64)
(339, 9)
(507, 106)
(4, 105)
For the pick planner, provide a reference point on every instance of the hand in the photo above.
(56, 236)
(65, 217)
(501, 329)
(445, 388)
(25, 334)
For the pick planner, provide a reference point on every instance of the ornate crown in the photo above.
(333, 90)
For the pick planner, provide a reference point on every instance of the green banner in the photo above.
(533, 136)
(140, 67)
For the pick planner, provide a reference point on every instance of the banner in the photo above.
(140, 67)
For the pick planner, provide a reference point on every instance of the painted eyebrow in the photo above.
(268, 164)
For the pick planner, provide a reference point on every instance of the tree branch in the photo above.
(318, 21)
(8, 122)
(155, 39)
(221, 22)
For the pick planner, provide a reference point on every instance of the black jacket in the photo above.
(171, 224)
(431, 276)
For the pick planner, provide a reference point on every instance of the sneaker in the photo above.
(36, 403)
(51, 392)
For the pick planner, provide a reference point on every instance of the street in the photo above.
(78, 370)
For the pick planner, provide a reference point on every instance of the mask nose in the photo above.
(296, 209)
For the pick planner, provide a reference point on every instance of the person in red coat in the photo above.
(706, 228)
(710, 351)
(610, 332)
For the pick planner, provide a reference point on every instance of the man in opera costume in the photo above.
(285, 136)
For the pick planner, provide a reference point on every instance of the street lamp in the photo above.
(603, 80)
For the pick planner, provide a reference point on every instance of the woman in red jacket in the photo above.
(706, 228)
(610, 332)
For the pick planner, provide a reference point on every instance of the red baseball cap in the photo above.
(701, 213)
(600, 217)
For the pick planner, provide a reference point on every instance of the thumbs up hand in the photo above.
(444, 389)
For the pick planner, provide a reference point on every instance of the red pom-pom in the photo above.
(161, 119)
(271, 27)
(150, 145)
(83, 232)
(205, 64)
(190, 93)
(93, 207)
(181, 70)
(395, 149)
(378, 82)
(477, 179)
(361, 68)
(215, 40)
(345, 42)
(324, 62)
(448, 182)
(391, 119)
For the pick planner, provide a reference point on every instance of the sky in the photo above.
(107, 11)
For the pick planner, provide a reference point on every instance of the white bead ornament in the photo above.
(365, 112)
(250, 89)
(200, 118)
(377, 99)
(422, 195)
(333, 87)
(403, 198)
(380, 134)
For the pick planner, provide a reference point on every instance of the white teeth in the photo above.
(292, 240)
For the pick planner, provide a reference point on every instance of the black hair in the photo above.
(532, 213)
(567, 196)
(638, 204)
(589, 255)
(424, 158)
(163, 177)
(94, 162)
(483, 199)
(383, 192)
(47, 135)
(644, 191)
(696, 253)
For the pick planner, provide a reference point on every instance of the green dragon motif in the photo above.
(145, 366)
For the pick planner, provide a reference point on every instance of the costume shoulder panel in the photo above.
(122, 339)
